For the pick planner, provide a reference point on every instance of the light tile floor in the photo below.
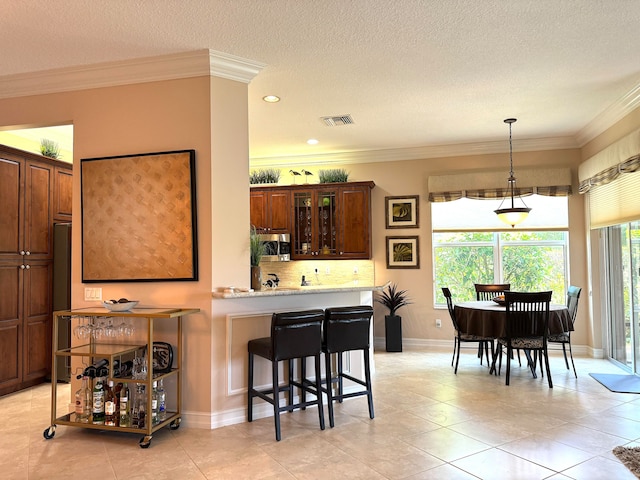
(430, 424)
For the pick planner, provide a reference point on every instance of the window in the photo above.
(532, 260)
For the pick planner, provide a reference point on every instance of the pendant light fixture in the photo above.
(512, 215)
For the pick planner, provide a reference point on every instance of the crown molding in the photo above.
(140, 70)
(612, 114)
(416, 153)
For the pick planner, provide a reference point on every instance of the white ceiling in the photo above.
(413, 74)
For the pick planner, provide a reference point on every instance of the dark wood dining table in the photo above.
(487, 318)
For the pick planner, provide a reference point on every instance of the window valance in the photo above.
(621, 157)
(481, 185)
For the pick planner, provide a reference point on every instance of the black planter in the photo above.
(393, 333)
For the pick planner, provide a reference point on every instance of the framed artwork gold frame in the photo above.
(139, 217)
(403, 252)
(402, 212)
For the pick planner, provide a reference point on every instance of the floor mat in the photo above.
(618, 383)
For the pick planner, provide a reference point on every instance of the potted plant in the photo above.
(256, 250)
(334, 175)
(393, 299)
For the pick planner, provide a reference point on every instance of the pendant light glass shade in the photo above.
(512, 215)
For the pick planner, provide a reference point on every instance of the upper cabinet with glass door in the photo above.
(332, 221)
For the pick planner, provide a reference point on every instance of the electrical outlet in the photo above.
(438, 323)
(327, 270)
(355, 270)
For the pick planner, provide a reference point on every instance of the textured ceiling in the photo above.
(412, 74)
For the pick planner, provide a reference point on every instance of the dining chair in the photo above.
(526, 327)
(488, 291)
(464, 337)
(573, 295)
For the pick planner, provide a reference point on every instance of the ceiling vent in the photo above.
(338, 120)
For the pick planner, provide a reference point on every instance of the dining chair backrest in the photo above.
(527, 314)
(452, 313)
(486, 291)
(296, 334)
(573, 295)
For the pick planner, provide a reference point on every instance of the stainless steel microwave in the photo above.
(277, 247)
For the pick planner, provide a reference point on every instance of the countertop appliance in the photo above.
(277, 247)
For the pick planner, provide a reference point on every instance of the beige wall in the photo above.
(206, 114)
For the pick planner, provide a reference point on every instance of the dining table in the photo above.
(487, 318)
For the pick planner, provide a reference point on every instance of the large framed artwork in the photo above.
(403, 252)
(139, 217)
(402, 212)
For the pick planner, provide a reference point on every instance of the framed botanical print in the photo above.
(403, 252)
(402, 212)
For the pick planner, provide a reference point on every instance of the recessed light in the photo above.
(271, 98)
(312, 141)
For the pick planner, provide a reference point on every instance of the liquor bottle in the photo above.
(110, 406)
(162, 402)
(125, 418)
(83, 401)
(154, 403)
(98, 402)
(138, 412)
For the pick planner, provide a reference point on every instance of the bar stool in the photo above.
(345, 329)
(293, 335)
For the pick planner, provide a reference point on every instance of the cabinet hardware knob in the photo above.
(27, 267)
(28, 252)
(22, 252)
(22, 267)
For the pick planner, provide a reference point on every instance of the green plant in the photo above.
(49, 148)
(264, 175)
(333, 175)
(393, 299)
(256, 247)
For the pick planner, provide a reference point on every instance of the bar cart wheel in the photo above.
(50, 432)
(145, 441)
(175, 424)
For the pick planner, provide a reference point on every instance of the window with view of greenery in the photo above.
(529, 261)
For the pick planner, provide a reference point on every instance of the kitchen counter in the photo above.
(286, 291)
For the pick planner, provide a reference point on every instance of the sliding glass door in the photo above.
(623, 269)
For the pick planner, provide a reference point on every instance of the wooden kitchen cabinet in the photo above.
(270, 210)
(332, 221)
(326, 221)
(28, 191)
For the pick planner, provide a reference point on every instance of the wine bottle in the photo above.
(98, 402)
(110, 405)
(125, 418)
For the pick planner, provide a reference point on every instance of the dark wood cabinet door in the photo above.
(355, 222)
(279, 212)
(11, 329)
(258, 209)
(37, 320)
(38, 242)
(12, 210)
(63, 194)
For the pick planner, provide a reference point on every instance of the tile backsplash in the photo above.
(321, 272)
